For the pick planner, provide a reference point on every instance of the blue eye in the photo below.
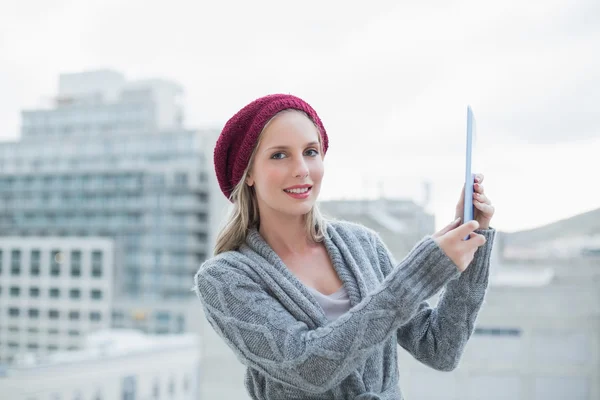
(312, 152)
(278, 156)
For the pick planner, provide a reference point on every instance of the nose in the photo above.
(300, 168)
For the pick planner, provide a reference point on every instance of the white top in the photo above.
(334, 304)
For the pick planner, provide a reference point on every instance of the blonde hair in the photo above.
(245, 215)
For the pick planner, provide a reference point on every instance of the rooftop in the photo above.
(110, 343)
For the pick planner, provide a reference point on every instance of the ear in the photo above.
(249, 181)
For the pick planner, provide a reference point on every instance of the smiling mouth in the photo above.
(298, 190)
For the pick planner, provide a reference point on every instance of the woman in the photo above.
(315, 309)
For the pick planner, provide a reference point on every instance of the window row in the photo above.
(73, 315)
(55, 293)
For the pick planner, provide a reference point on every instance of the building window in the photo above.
(498, 331)
(33, 346)
(15, 291)
(53, 331)
(15, 263)
(54, 293)
(117, 316)
(33, 313)
(95, 316)
(73, 332)
(73, 315)
(1, 261)
(180, 323)
(53, 314)
(156, 389)
(55, 261)
(96, 294)
(33, 330)
(35, 263)
(14, 312)
(74, 293)
(76, 263)
(96, 264)
(162, 317)
(181, 179)
(128, 388)
(186, 384)
(34, 292)
(172, 386)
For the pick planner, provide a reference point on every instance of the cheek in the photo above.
(271, 178)
(317, 170)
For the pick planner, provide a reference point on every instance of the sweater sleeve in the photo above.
(437, 336)
(266, 337)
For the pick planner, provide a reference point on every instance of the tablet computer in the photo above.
(469, 174)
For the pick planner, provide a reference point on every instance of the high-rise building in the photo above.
(111, 158)
(53, 291)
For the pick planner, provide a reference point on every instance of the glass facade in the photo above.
(102, 170)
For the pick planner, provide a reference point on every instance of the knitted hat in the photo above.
(240, 135)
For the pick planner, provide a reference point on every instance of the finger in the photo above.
(479, 178)
(476, 240)
(465, 229)
(478, 188)
(481, 198)
(451, 225)
(486, 209)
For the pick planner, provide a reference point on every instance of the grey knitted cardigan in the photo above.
(276, 327)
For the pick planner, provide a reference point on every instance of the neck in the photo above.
(286, 235)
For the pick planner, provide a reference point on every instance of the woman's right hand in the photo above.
(451, 241)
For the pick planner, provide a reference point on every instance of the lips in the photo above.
(298, 189)
(299, 192)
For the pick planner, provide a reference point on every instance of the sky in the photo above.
(390, 80)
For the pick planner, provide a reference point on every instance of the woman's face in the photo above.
(288, 166)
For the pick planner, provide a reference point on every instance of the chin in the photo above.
(302, 209)
(299, 209)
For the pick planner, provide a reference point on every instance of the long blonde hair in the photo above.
(245, 215)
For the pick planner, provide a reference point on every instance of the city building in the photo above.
(111, 158)
(53, 291)
(112, 364)
(537, 337)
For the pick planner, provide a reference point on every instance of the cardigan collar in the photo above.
(344, 264)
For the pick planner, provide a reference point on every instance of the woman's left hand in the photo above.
(484, 210)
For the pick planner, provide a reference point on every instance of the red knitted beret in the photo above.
(240, 134)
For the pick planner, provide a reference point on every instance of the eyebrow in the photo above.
(286, 147)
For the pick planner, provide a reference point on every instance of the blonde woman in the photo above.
(316, 309)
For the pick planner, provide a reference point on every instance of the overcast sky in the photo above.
(391, 81)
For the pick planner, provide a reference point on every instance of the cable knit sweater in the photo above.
(277, 329)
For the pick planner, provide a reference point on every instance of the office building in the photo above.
(53, 291)
(112, 364)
